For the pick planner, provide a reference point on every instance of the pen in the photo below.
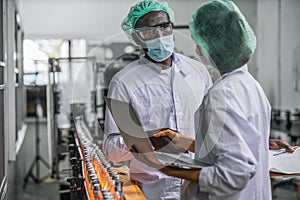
(282, 152)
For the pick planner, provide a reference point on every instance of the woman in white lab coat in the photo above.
(234, 120)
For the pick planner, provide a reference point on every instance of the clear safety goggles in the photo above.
(151, 32)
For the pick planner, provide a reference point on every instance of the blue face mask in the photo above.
(159, 49)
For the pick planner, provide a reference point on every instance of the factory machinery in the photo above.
(92, 176)
(77, 133)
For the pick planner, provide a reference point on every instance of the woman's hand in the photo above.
(145, 158)
(279, 144)
(188, 174)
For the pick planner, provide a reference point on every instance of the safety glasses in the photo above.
(151, 32)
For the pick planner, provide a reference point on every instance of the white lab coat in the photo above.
(232, 138)
(161, 101)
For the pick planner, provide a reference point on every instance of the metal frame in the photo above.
(3, 180)
(9, 103)
(3, 188)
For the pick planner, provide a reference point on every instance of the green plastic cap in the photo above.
(139, 10)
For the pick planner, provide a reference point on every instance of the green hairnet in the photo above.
(223, 34)
(139, 10)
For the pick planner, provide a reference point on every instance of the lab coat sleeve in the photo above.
(113, 144)
(233, 152)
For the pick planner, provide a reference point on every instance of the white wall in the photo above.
(267, 48)
(290, 42)
(90, 19)
(276, 58)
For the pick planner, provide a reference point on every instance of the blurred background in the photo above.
(56, 61)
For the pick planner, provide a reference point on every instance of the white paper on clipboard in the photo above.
(287, 163)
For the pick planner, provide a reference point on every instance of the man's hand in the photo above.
(182, 141)
(173, 135)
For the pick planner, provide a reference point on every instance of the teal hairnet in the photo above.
(223, 34)
(139, 10)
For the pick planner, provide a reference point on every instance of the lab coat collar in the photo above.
(242, 69)
(175, 63)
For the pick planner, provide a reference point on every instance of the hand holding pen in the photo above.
(284, 151)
